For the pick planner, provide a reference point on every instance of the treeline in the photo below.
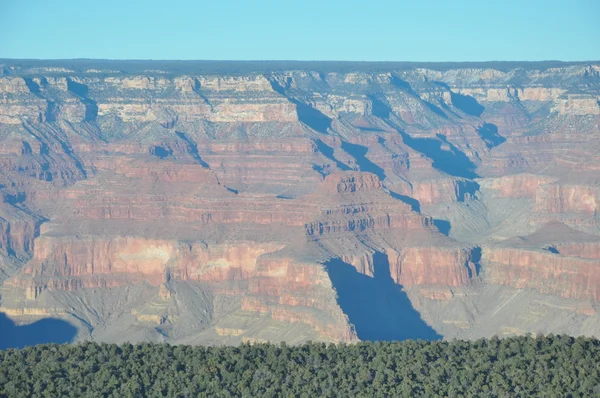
(552, 366)
(247, 67)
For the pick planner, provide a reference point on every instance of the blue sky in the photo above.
(354, 30)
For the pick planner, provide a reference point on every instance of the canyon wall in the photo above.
(151, 204)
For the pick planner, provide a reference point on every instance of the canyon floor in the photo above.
(219, 203)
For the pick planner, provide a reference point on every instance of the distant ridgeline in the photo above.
(512, 367)
(171, 67)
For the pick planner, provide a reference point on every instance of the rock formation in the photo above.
(278, 204)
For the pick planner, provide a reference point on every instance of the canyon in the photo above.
(219, 203)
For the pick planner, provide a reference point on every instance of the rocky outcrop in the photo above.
(568, 198)
(565, 276)
(555, 259)
(579, 105)
(516, 185)
(434, 266)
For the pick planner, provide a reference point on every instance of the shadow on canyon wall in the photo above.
(307, 114)
(328, 152)
(359, 152)
(192, 148)
(452, 160)
(48, 330)
(476, 258)
(445, 156)
(91, 107)
(443, 226)
(412, 202)
(377, 307)
(160, 152)
(489, 134)
(467, 104)
(312, 117)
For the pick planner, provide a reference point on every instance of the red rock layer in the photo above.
(570, 277)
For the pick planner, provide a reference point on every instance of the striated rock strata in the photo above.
(315, 202)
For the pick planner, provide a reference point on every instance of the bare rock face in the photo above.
(555, 259)
(300, 204)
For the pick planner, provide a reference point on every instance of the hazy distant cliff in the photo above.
(217, 203)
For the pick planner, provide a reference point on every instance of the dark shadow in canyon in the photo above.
(77, 88)
(312, 117)
(68, 150)
(359, 152)
(160, 152)
(405, 86)
(443, 226)
(91, 108)
(308, 115)
(380, 108)
(34, 87)
(44, 331)
(451, 161)
(38, 132)
(489, 134)
(476, 259)
(435, 109)
(412, 202)
(377, 307)
(327, 151)
(467, 189)
(52, 111)
(319, 169)
(467, 104)
(192, 149)
(402, 85)
(13, 199)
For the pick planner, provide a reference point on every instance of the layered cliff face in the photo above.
(299, 204)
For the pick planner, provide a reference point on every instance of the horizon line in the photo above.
(284, 60)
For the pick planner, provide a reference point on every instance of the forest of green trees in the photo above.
(551, 366)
